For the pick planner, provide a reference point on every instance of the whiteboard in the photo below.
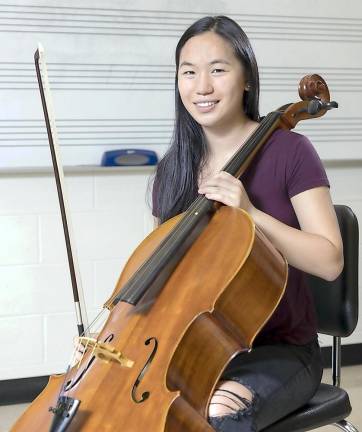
(111, 71)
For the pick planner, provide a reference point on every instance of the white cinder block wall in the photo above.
(110, 217)
(112, 83)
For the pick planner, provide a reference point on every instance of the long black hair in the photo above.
(175, 185)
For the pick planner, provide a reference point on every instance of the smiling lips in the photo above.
(206, 106)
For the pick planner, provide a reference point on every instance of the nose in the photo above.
(204, 84)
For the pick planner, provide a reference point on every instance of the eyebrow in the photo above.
(185, 63)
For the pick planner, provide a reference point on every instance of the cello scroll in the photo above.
(314, 93)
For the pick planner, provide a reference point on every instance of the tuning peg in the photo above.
(316, 105)
(330, 105)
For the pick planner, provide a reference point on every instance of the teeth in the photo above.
(205, 104)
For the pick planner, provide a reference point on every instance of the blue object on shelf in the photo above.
(129, 157)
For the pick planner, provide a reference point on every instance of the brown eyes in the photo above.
(214, 71)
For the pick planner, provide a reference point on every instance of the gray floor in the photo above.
(351, 381)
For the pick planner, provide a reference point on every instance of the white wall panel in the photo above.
(29, 347)
(39, 289)
(19, 239)
(106, 275)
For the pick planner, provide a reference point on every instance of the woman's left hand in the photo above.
(228, 190)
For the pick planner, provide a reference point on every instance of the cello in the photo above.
(171, 313)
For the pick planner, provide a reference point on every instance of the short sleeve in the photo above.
(304, 168)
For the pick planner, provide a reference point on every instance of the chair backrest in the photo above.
(337, 302)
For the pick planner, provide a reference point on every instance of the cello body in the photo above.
(211, 308)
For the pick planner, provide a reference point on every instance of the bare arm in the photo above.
(316, 248)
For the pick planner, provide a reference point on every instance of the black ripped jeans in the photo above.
(281, 377)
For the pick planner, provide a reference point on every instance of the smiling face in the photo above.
(211, 81)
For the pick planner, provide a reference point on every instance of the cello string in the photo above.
(236, 161)
(73, 355)
(183, 226)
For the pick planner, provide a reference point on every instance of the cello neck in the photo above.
(152, 274)
(239, 162)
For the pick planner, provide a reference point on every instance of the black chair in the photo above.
(337, 310)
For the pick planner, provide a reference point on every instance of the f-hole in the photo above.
(145, 395)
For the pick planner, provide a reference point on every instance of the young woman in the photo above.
(286, 192)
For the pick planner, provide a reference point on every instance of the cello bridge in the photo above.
(106, 352)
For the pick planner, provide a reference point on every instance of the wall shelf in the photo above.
(77, 169)
(144, 169)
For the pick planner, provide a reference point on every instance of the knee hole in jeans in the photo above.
(229, 398)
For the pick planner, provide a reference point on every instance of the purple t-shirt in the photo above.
(286, 166)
